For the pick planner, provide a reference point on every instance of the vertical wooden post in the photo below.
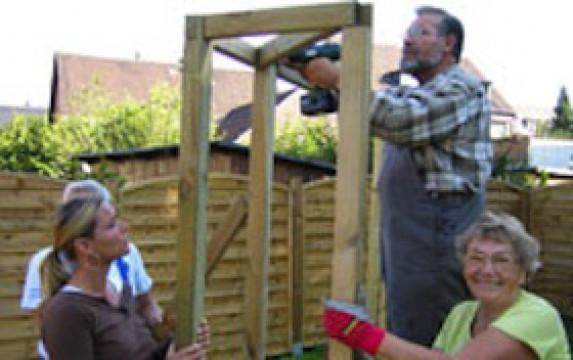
(259, 220)
(528, 201)
(527, 208)
(193, 172)
(350, 213)
(373, 260)
(296, 259)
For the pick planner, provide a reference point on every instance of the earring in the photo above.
(93, 260)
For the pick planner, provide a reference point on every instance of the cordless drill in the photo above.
(317, 101)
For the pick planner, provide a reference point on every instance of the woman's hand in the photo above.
(204, 333)
(191, 352)
(196, 351)
(149, 309)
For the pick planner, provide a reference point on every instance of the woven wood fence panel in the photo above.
(151, 210)
(507, 198)
(318, 234)
(552, 223)
(27, 205)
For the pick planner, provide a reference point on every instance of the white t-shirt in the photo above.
(32, 290)
(138, 278)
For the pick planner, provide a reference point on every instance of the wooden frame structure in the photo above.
(296, 27)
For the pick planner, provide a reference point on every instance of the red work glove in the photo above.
(347, 324)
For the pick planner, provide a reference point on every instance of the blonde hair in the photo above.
(75, 219)
(57, 267)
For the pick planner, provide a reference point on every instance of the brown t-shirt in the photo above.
(78, 326)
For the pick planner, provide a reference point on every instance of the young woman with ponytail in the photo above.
(130, 267)
(79, 320)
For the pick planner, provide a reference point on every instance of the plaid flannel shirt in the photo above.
(445, 123)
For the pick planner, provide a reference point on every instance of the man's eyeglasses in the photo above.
(420, 31)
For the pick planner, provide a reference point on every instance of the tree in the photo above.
(562, 124)
(99, 124)
(32, 144)
(311, 139)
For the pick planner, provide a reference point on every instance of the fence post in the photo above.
(529, 209)
(296, 258)
(350, 212)
(373, 261)
(193, 174)
(259, 219)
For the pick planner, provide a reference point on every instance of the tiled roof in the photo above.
(231, 91)
(123, 79)
(120, 79)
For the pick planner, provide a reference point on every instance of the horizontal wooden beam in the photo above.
(283, 45)
(237, 49)
(245, 53)
(291, 19)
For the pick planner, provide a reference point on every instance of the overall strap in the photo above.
(123, 268)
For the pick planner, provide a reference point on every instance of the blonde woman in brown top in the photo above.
(133, 266)
(79, 321)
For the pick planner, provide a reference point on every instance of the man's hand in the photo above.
(322, 72)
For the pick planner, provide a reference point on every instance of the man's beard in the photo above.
(415, 65)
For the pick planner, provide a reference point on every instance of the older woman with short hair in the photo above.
(505, 321)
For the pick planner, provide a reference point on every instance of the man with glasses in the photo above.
(436, 164)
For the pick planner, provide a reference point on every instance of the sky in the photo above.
(523, 46)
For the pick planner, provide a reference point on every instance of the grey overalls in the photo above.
(417, 231)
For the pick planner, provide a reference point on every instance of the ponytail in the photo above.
(54, 273)
(74, 219)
